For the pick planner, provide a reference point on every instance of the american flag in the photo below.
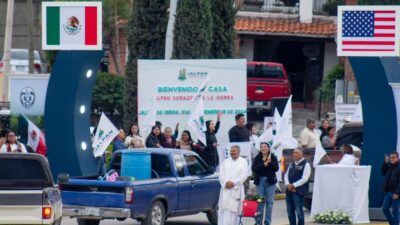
(368, 32)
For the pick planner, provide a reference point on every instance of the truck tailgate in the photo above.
(94, 193)
(263, 89)
(21, 207)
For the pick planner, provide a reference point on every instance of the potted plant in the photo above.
(333, 217)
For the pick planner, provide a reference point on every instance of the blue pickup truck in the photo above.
(180, 184)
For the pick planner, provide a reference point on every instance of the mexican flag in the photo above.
(31, 135)
(71, 25)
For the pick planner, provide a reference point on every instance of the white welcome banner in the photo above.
(245, 152)
(174, 83)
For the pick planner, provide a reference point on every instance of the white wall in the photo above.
(247, 48)
(330, 57)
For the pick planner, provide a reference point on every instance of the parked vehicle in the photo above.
(27, 191)
(20, 61)
(180, 184)
(350, 133)
(265, 81)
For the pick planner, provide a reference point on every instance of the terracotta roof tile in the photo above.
(284, 26)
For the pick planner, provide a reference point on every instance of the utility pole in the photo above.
(29, 17)
(7, 49)
(8, 35)
(169, 39)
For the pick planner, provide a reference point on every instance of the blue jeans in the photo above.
(388, 202)
(294, 205)
(268, 191)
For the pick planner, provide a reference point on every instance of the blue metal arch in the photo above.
(379, 114)
(66, 127)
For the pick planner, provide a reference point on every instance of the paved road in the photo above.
(279, 217)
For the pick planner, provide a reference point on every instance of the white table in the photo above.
(343, 188)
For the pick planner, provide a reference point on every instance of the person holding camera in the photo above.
(265, 167)
(12, 145)
(391, 187)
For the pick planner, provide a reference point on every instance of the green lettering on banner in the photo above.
(178, 89)
(187, 111)
(218, 89)
(171, 112)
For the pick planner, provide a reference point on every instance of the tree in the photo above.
(107, 94)
(326, 90)
(223, 43)
(114, 12)
(146, 40)
(193, 30)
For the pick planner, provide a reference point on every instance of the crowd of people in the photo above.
(233, 171)
(325, 134)
(168, 138)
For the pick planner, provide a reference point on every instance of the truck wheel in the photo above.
(212, 216)
(87, 222)
(156, 214)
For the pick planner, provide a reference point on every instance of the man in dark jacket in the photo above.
(239, 133)
(296, 182)
(391, 187)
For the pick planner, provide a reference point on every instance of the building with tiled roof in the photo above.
(248, 25)
(297, 34)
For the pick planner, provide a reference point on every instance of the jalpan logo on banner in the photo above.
(245, 152)
(368, 31)
(72, 25)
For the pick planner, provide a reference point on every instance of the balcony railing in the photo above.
(320, 7)
(272, 6)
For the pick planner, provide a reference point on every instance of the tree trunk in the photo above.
(117, 54)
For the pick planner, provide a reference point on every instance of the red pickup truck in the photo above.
(265, 81)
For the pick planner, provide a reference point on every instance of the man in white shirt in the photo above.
(308, 136)
(348, 158)
(233, 173)
(296, 182)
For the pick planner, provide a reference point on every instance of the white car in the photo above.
(20, 62)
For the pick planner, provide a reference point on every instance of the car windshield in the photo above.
(23, 55)
(264, 71)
